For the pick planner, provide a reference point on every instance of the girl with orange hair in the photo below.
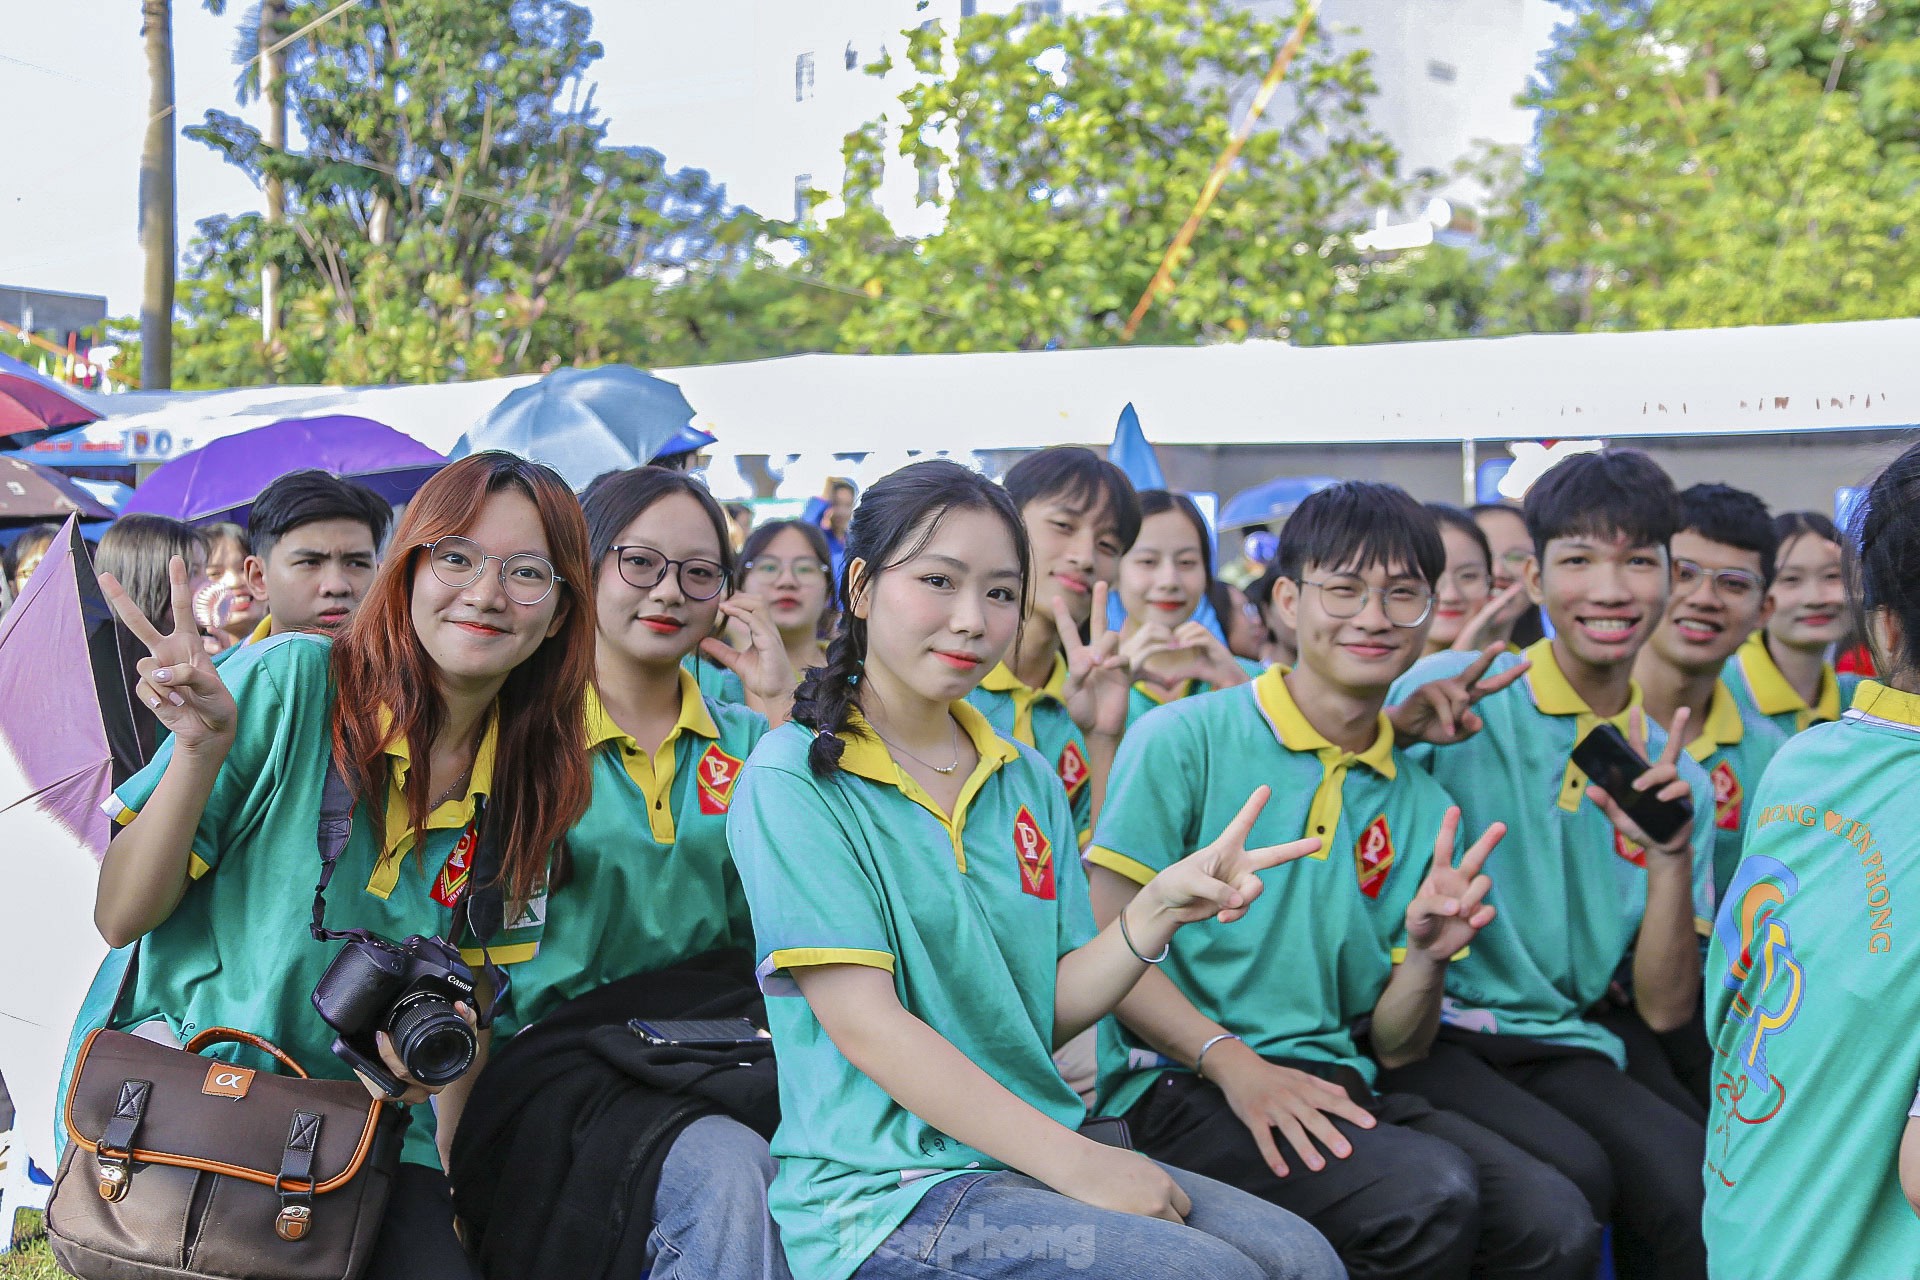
(458, 690)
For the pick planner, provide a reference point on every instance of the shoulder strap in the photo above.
(336, 829)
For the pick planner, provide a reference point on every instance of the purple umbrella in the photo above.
(34, 406)
(30, 494)
(219, 481)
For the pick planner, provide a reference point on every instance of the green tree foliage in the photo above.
(1721, 162)
(454, 211)
(1070, 149)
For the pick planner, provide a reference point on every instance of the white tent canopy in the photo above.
(1851, 376)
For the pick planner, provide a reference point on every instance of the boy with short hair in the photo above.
(315, 540)
(1581, 886)
(1246, 1033)
(1723, 567)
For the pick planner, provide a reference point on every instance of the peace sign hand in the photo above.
(1099, 681)
(1223, 879)
(1662, 779)
(1451, 907)
(177, 680)
(1441, 711)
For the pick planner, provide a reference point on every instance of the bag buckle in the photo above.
(115, 1176)
(293, 1222)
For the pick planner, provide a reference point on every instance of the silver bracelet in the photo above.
(1128, 939)
(1202, 1055)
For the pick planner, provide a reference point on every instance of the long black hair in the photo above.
(895, 519)
(1886, 542)
(1452, 517)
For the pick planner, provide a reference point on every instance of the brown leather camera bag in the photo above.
(183, 1166)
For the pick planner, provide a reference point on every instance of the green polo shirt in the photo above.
(1570, 890)
(652, 884)
(1145, 697)
(1760, 687)
(1813, 992)
(1040, 719)
(262, 632)
(970, 913)
(716, 682)
(1734, 746)
(236, 951)
(1320, 942)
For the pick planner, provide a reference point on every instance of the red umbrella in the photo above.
(33, 407)
(30, 494)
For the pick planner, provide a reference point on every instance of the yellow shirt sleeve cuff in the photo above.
(1120, 864)
(515, 954)
(805, 957)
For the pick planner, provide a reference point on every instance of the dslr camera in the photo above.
(407, 990)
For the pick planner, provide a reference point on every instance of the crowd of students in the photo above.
(1322, 909)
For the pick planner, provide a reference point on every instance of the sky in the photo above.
(73, 87)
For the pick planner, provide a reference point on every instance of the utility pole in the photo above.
(273, 88)
(157, 241)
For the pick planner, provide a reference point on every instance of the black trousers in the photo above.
(1424, 1195)
(417, 1241)
(1636, 1155)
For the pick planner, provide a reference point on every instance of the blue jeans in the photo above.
(995, 1226)
(710, 1217)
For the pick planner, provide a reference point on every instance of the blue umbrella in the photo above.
(585, 422)
(1272, 502)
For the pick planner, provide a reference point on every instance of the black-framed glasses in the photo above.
(459, 562)
(767, 569)
(1736, 586)
(644, 567)
(1344, 595)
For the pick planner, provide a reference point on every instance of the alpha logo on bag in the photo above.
(1073, 769)
(1035, 852)
(224, 1080)
(1727, 796)
(1627, 849)
(451, 883)
(717, 772)
(1373, 856)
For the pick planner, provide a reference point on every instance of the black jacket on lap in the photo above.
(558, 1153)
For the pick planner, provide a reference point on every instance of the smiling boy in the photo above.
(1580, 886)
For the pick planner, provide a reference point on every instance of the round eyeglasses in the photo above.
(805, 569)
(644, 567)
(1344, 595)
(459, 562)
(1733, 585)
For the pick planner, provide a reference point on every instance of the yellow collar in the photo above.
(1555, 695)
(1002, 680)
(1152, 691)
(261, 632)
(456, 813)
(1722, 727)
(1291, 726)
(1883, 702)
(694, 717)
(867, 756)
(1773, 696)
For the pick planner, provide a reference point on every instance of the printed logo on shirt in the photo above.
(717, 771)
(1769, 986)
(1627, 849)
(451, 884)
(1727, 796)
(533, 915)
(1073, 769)
(1035, 851)
(1373, 856)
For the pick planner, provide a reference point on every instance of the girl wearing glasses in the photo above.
(925, 942)
(1466, 614)
(785, 563)
(1163, 579)
(462, 676)
(649, 882)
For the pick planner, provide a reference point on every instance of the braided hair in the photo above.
(896, 518)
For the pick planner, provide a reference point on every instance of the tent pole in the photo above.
(1469, 464)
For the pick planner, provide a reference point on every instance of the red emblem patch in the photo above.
(1627, 849)
(717, 771)
(1373, 856)
(1727, 796)
(1035, 851)
(1073, 769)
(451, 883)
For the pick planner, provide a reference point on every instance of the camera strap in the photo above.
(481, 910)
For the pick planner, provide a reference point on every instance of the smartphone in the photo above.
(1610, 761)
(699, 1033)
